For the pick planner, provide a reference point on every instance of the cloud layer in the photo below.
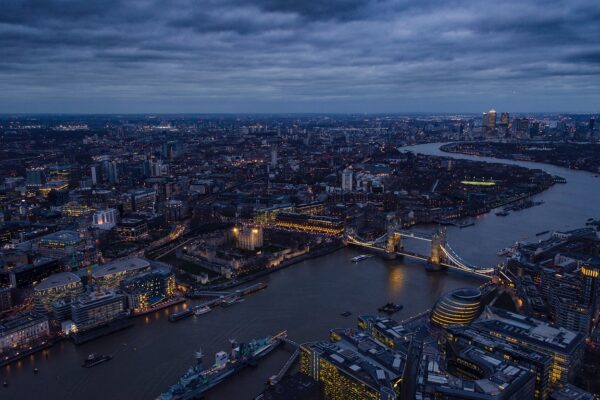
(296, 56)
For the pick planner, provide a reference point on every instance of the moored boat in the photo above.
(198, 379)
(201, 310)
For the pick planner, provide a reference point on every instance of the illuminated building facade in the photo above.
(248, 237)
(96, 309)
(174, 210)
(63, 285)
(60, 244)
(572, 297)
(132, 229)
(21, 330)
(459, 307)
(564, 346)
(74, 209)
(354, 366)
(105, 219)
(148, 289)
(310, 223)
(386, 330)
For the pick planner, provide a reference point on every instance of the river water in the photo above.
(306, 299)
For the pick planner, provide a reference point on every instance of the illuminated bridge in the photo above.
(441, 255)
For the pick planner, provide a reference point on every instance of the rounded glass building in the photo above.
(458, 307)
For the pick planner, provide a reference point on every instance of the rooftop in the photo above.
(535, 331)
(16, 321)
(124, 265)
(57, 280)
(62, 236)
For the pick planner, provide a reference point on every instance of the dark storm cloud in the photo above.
(280, 55)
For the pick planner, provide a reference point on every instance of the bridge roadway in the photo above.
(454, 260)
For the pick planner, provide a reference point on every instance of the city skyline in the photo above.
(272, 56)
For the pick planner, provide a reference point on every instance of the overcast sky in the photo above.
(299, 55)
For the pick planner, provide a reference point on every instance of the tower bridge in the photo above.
(441, 254)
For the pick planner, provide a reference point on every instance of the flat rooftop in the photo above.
(62, 236)
(529, 329)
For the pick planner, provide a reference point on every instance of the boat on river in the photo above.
(198, 379)
(360, 258)
(95, 359)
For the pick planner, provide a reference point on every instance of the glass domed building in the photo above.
(458, 307)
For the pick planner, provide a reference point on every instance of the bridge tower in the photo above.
(394, 239)
(438, 240)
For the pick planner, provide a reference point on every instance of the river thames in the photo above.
(305, 299)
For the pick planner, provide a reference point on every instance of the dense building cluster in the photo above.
(106, 218)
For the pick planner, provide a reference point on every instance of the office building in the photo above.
(146, 290)
(470, 374)
(572, 297)
(563, 345)
(386, 330)
(132, 229)
(488, 120)
(174, 210)
(111, 172)
(458, 307)
(520, 128)
(354, 366)
(23, 330)
(273, 157)
(504, 119)
(96, 309)
(56, 287)
(570, 392)
(35, 178)
(347, 182)
(110, 275)
(30, 274)
(60, 244)
(142, 200)
(538, 363)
